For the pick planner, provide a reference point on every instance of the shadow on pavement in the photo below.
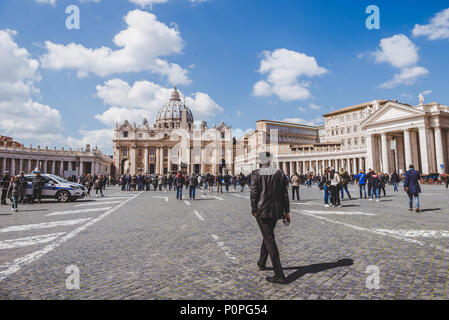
(435, 209)
(315, 268)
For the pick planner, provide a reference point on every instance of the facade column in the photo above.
(407, 149)
(447, 150)
(92, 168)
(385, 166)
(61, 169)
(291, 168)
(81, 168)
(53, 167)
(439, 149)
(169, 168)
(156, 160)
(4, 166)
(13, 166)
(145, 161)
(423, 147)
(369, 152)
(161, 163)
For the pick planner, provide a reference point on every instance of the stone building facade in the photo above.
(174, 141)
(383, 135)
(15, 157)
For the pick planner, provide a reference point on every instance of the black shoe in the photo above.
(277, 280)
(417, 210)
(262, 268)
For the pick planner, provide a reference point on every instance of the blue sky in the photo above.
(237, 61)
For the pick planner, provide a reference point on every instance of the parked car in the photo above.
(57, 188)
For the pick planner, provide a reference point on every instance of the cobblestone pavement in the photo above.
(148, 245)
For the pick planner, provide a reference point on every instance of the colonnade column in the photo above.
(408, 149)
(439, 149)
(145, 161)
(385, 167)
(423, 147)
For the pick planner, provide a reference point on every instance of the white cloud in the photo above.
(22, 118)
(284, 68)
(407, 76)
(438, 28)
(53, 2)
(314, 106)
(144, 99)
(427, 92)
(400, 53)
(149, 3)
(142, 45)
(101, 138)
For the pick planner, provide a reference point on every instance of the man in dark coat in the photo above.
(38, 184)
(23, 182)
(269, 203)
(5, 185)
(412, 187)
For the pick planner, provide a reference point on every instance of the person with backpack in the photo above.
(179, 183)
(334, 183)
(395, 180)
(362, 184)
(295, 186)
(98, 184)
(374, 182)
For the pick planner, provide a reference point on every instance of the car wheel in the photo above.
(63, 196)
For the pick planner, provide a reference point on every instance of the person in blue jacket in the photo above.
(412, 187)
(362, 183)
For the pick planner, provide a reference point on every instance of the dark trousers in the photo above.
(192, 192)
(37, 192)
(3, 200)
(269, 246)
(295, 189)
(335, 199)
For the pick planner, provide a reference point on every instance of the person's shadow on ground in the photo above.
(315, 268)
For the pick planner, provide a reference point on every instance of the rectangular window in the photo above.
(125, 134)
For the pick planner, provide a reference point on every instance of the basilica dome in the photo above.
(172, 111)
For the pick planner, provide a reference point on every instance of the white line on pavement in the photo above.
(240, 196)
(225, 249)
(166, 198)
(417, 233)
(45, 225)
(198, 215)
(218, 198)
(19, 262)
(373, 231)
(187, 202)
(28, 241)
(343, 213)
(110, 199)
(59, 213)
(97, 203)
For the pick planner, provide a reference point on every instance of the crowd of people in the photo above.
(178, 181)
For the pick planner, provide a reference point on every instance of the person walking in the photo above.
(5, 185)
(219, 181)
(24, 183)
(382, 182)
(362, 184)
(395, 180)
(179, 183)
(368, 179)
(344, 175)
(374, 182)
(38, 184)
(14, 191)
(269, 203)
(412, 187)
(334, 182)
(295, 186)
(88, 184)
(193, 184)
(99, 186)
(324, 185)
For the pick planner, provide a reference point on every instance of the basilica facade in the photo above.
(173, 143)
